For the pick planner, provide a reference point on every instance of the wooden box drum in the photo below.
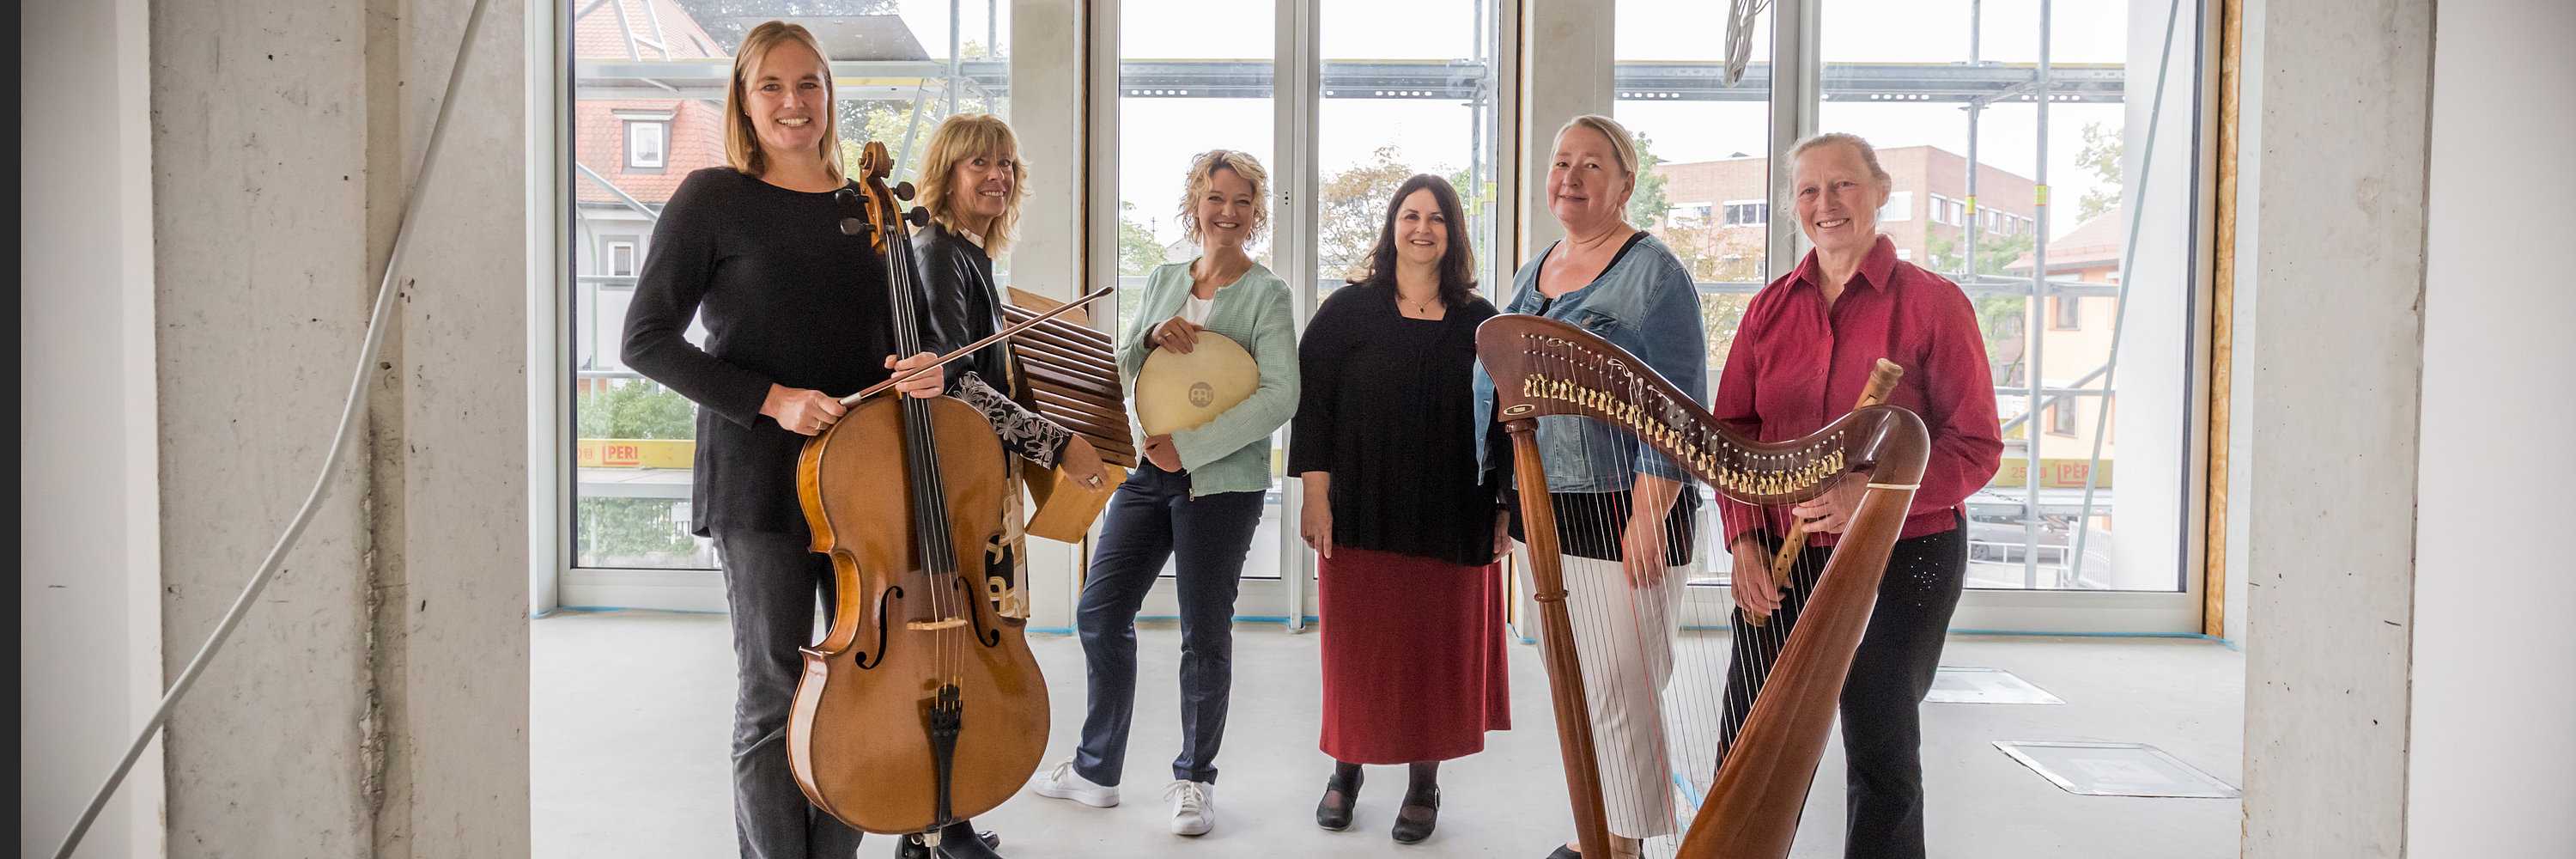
(1177, 392)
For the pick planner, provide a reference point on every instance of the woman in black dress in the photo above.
(796, 315)
(1406, 533)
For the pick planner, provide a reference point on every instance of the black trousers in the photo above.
(1151, 519)
(771, 584)
(1883, 695)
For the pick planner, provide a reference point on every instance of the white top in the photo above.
(1195, 310)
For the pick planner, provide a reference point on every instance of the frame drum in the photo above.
(1177, 392)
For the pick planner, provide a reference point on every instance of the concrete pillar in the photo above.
(2334, 378)
(375, 700)
(1568, 73)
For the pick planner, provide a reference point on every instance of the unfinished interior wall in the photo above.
(374, 701)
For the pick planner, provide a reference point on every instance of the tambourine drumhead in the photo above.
(1177, 392)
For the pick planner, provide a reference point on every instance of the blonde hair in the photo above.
(964, 136)
(742, 142)
(1623, 148)
(1203, 176)
(1868, 155)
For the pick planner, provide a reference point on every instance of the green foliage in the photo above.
(1646, 205)
(1138, 252)
(1353, 211)
(614, 528)
(637, 409)
(2101, 154)
(1721, 314)
(1993, 252)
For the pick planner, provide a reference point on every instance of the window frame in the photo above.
(634, 123)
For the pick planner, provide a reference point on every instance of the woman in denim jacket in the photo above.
(1623, 511)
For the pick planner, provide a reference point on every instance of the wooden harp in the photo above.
(1068, 373)
(1749, 805)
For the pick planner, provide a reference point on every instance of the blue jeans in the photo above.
(1153, 518)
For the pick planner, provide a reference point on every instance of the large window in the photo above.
(2022, 166)
(648, 106)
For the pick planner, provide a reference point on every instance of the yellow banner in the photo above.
(2053, 473)
(635, 453)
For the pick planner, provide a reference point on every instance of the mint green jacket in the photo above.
(1232, 452)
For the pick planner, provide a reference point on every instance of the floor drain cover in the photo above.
(1957, 685)
(2116, 769)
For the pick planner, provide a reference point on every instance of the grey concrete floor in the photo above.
(632, 710)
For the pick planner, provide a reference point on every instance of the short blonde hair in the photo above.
(1623, 147)
(1868, 155)
(1203, 175)
(964, 136)
(742, 142)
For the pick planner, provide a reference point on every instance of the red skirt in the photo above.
(1413, 657)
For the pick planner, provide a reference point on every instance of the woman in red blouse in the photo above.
(1800, 359)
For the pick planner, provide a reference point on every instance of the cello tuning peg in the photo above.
(844, 195)
(853, 227)
(903, 190)
(918, 217)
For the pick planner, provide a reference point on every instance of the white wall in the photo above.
(89, 620)
(2495, 656)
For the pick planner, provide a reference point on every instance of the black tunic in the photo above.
(961, 275)
(786, 299)
(1388, 408)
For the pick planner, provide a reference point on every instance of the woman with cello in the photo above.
(756, 250)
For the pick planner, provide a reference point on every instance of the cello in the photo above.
(922, 706)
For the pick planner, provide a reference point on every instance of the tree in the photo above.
(1646, 205)
(1353, 205)
(2101, 154)
(1138, 252)
(637, 409)
(628, 527)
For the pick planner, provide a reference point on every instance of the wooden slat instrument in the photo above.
(1067, 372)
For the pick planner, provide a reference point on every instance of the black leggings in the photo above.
(1882, 697)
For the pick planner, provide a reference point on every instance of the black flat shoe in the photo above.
(1337, 817)
(1564, 852)
(910, 847)
(1411, 831)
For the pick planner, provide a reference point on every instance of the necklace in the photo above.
(1417, 308)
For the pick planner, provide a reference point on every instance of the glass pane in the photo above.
(1938, 84)
(898, 67)
(1193, 77)
(1705, 186)
(1408, 88)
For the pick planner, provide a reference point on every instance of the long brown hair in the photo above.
(1457, 262)
(742, 143)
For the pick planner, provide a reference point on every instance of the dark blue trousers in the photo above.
(1153, 518)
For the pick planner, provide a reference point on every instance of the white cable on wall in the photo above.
(349, 412)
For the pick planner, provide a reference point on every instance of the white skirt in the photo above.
(1624, 637)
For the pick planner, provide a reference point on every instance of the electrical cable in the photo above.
(349, 413)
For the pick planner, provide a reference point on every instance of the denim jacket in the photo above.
(1645, 303)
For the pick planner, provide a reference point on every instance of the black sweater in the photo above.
(786, 299)
(1388, 409)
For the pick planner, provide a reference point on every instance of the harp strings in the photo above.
(1656, 659)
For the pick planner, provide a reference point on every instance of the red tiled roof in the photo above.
(596, 36)
(2093, 244)
(599, 143)
(599, 136)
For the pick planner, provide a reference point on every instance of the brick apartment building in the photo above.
(1930, 199)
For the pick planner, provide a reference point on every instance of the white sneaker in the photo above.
(1063, 783)
(1193, 807)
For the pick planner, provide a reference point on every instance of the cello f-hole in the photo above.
(986, 637)
(890, 592)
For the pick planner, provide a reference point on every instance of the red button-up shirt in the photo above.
(1797, 366)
